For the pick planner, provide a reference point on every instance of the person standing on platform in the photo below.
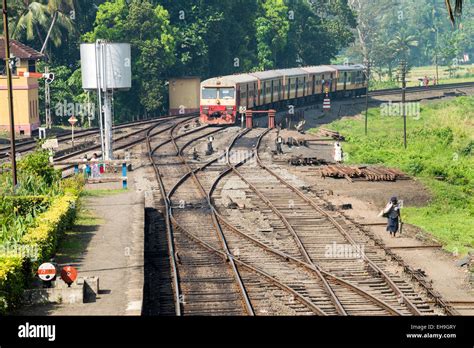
(338, 154)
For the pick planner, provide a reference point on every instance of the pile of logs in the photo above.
(367, 173)
(332, 134)
(306, 161)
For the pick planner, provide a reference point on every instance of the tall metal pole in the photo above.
(47, 101)
(367, 97)
(99, 93)
(404, 86)
(10, 93)
(109, 153)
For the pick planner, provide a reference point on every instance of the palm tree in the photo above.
(63, 12)
(402, 44)
(457, 9)
(54, 18)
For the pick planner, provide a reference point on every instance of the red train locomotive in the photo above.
(222, 97)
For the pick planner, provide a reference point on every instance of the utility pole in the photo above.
(367, 72)
(435, 27)
(10, 93)
(47, 101)
(403, 67)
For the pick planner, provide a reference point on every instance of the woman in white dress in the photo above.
(337, 152)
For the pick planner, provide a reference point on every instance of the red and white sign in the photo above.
(68, 274)
(47, 271)
(72, 120)
(327, 104)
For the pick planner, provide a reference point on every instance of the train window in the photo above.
(209, 93)
(227, 93)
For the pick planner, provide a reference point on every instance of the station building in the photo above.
(25, 89)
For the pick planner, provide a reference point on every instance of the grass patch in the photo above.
(464, 73)
(75, 240)
(102, 193)
(440, 152)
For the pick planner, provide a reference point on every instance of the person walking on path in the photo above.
(392, 213)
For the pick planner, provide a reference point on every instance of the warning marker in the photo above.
(68, 275)
(47, 272)
(327, 104)
(72, 120)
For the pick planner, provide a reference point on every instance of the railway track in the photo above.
(201, 248)
(418, 89)
(347, 297)
(30, 145)
(221, 264)
(205, 281)
(313, 211)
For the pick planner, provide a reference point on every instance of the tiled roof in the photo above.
(19, 50)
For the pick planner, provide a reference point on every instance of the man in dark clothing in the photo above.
(392, 213)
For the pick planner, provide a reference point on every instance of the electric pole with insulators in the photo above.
(8, 67)
(403, 67)
(367, 75)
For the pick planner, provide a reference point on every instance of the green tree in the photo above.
(272, 28)
(147, 28)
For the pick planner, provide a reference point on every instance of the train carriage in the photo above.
(350, 80)
(222, 97)
(319, 76)
(270, 85)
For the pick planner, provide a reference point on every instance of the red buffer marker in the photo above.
(69, 275)
(47, 272)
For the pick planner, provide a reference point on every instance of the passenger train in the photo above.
(223, 97)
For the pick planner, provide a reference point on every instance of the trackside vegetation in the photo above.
(33, 218)
(440, 154)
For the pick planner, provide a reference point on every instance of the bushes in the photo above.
(37, 164)
(50, 226)
(12, 281)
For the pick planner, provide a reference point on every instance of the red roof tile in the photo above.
(19, 50)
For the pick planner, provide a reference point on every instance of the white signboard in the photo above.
(50, 144)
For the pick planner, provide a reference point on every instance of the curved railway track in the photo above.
(297, 222)
(419, 89)
(30, 144)
(200, 247)
(221, 264)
